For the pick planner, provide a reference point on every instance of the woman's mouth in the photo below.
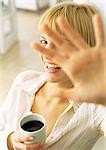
(52, 68)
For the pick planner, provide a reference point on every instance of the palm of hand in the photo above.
(86, 70)
(83, 65)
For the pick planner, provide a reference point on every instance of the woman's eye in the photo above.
(43, 42)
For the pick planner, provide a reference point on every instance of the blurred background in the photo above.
(18, 27)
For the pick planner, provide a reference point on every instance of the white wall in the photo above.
(31, 4)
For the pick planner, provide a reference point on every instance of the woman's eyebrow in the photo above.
(42, 37)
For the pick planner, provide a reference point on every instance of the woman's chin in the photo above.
(55, 75)
(60, 78)
(51, 77)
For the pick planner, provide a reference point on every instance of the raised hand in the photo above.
(84, 65)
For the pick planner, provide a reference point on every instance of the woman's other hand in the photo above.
(16, 142)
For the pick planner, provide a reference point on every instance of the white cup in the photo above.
(38, 135)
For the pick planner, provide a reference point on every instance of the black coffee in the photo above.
(32, 126)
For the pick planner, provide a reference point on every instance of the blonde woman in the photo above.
(70, 125)
(84, 65)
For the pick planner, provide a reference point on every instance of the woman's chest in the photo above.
(51, 111)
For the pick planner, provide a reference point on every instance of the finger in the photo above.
(22, 146)
(80, 93)
(64, 45)
(98, 29)
(46, 51)
(55, 38)
(25, 138)
(73, 94)
(73, 36)
(20, 138)
(54, 56)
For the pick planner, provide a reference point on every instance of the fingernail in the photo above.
(31, 138)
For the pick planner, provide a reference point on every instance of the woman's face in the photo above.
(54, 73)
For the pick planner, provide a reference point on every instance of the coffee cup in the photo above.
(33, 125)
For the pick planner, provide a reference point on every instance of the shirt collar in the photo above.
(33, 85)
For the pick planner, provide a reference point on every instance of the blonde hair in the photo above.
(79, 16)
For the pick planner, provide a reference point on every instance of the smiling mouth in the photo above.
(52, 68)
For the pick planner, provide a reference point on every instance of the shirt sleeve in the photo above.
(5, 115)
(13, 106)
(100, 118)
(3, 140)
(3, 134)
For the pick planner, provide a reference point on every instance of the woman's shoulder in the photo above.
(27, 76)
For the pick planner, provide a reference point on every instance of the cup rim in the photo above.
(33, 114)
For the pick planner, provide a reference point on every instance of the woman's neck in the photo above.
(54, 89)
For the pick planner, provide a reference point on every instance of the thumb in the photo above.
(81, 95)
(71, 94)
(74, 94)
(68, 93)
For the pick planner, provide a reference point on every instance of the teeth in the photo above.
(52, 65)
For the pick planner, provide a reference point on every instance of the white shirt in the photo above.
(77, 132)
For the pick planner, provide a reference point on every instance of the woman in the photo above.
(84, 65)
(67, 127)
